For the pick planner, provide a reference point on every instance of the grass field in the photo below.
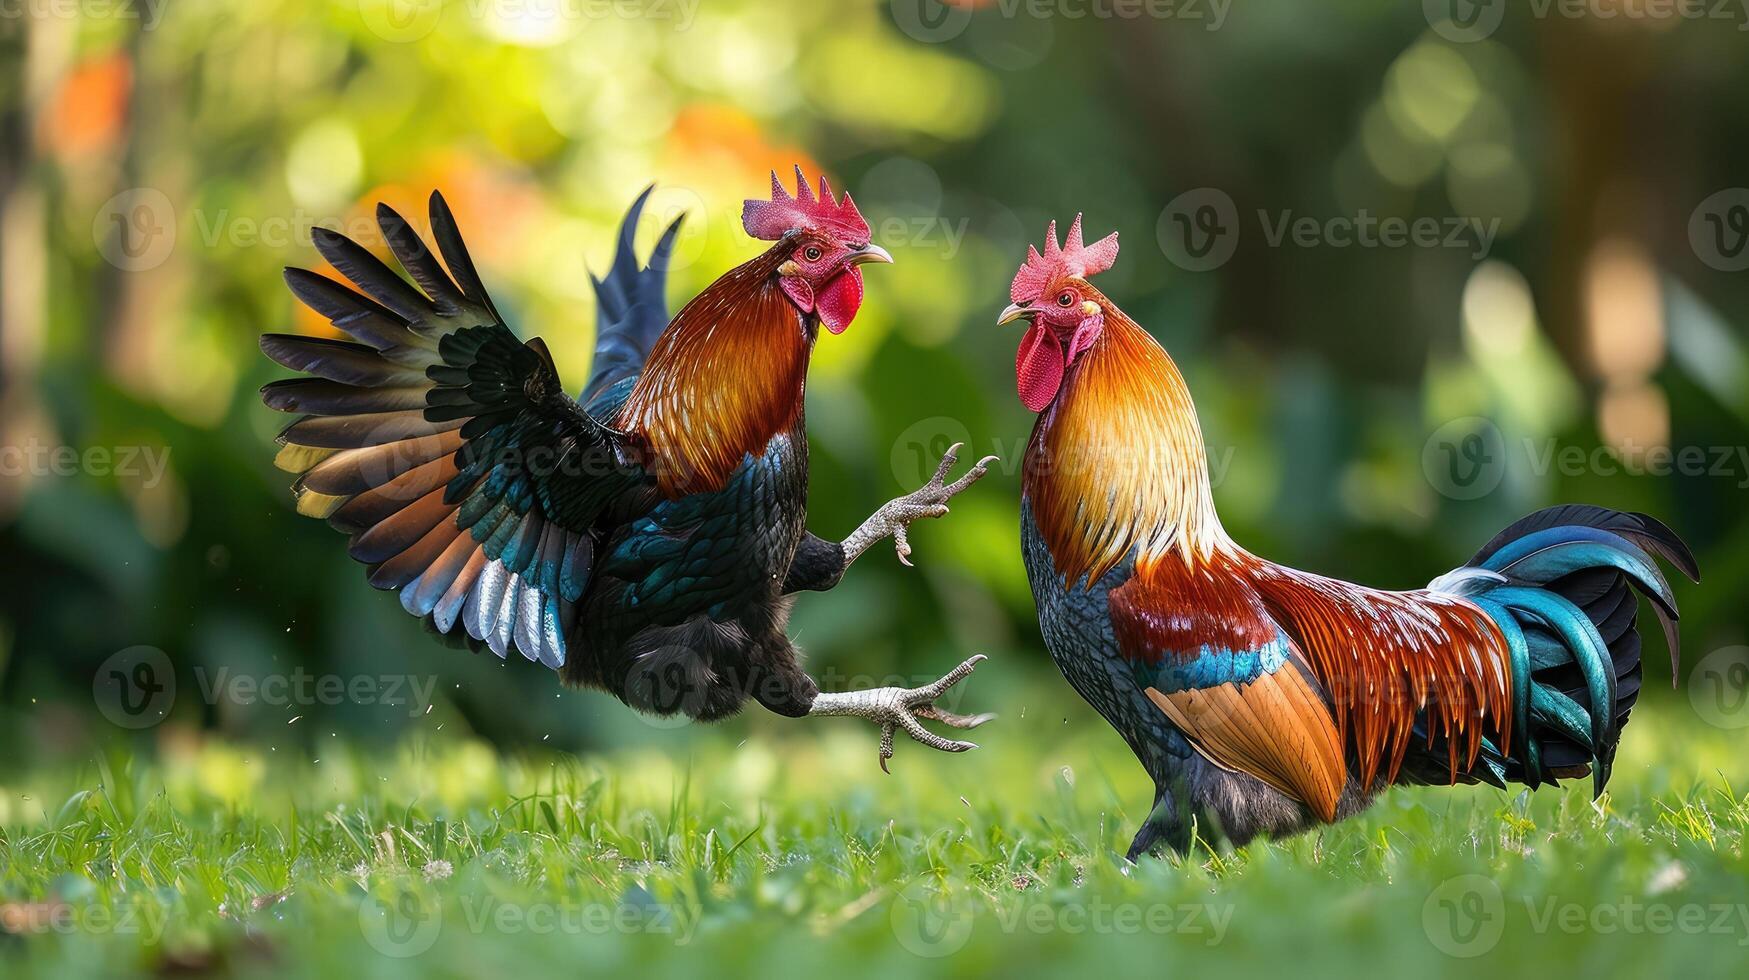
(793, 856)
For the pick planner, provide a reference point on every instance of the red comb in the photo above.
(773, 219)
(1059, 261)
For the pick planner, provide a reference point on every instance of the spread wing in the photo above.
(468, 480)
(1233, 682)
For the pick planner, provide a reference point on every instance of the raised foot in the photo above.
(930, 500)
(895, 708)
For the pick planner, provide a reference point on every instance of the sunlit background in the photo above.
(1562, 322)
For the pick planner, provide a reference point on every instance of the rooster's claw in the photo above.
(930, 500)
(899, 708)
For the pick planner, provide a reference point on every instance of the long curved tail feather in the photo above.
(631, 304)
(1560, 586)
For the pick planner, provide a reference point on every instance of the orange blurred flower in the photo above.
(87, 114)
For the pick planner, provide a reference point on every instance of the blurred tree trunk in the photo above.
(14, 148)
(1597, 77)
(22, 274)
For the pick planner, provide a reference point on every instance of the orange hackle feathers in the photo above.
(1118, 461)
(723, 380)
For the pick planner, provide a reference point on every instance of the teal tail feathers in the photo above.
(1561, 585)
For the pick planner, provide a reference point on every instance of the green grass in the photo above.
(792, 855)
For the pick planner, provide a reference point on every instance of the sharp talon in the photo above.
(947, 460)
(952, 720)
(896, 708)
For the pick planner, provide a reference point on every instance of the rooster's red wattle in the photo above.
(645, 539)
(1262, 699)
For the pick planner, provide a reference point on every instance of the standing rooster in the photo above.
(646, 540)
(1263, 699)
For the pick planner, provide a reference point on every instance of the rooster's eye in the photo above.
(1066, 299)
(812, 254)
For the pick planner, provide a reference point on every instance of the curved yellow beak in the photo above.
(1015, 311)
(871, 253)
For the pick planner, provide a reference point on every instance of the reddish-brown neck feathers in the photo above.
(723, 380)
(1118, 460)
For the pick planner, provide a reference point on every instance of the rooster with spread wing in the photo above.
(645, 539)
(1265, 700)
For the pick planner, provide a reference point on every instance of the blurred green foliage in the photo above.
(157, 170)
